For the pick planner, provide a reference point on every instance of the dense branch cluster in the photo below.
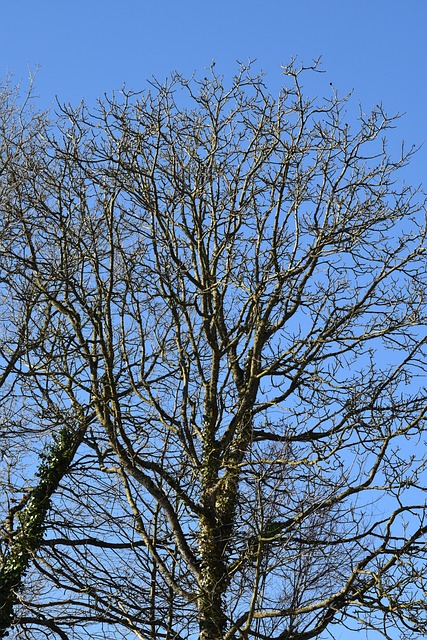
(212, 344)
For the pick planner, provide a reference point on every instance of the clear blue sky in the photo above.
(378, 48)
(86, 48)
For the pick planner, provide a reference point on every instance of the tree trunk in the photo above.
(213, 583)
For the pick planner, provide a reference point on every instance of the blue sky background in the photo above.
(85, 48)
(378, 48)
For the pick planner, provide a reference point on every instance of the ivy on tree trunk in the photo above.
(27, 538)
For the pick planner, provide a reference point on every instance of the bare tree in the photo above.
(218, 302)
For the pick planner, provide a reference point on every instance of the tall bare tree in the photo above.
(213, 348)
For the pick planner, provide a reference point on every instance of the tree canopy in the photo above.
(212, 348)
